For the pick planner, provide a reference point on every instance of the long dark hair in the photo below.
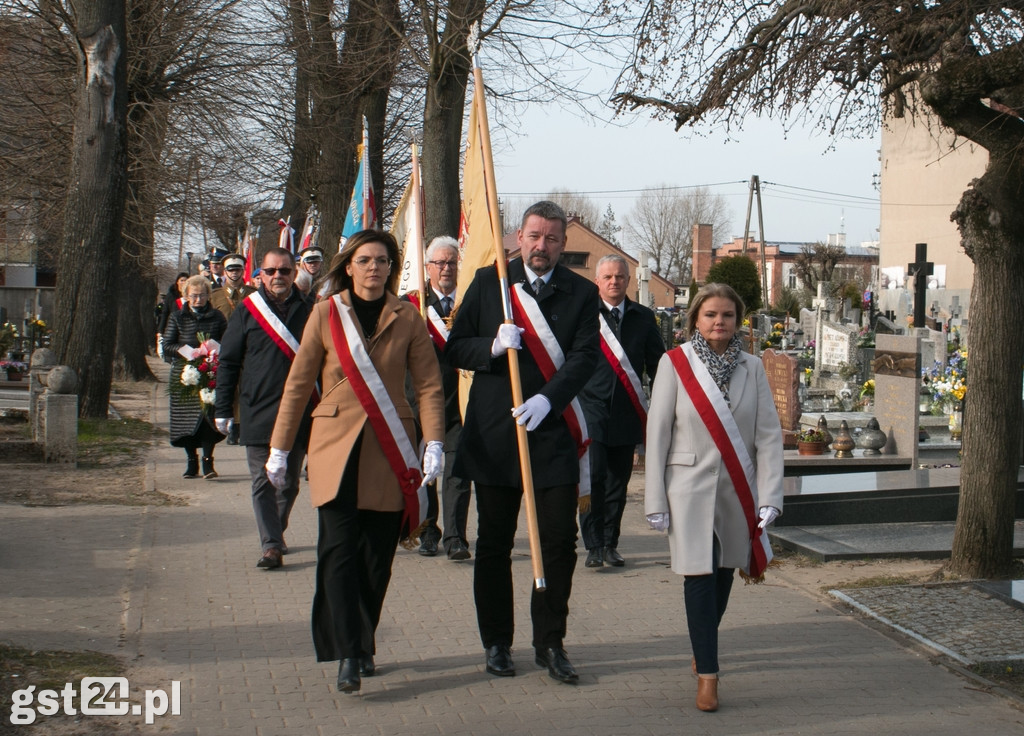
(338, 280)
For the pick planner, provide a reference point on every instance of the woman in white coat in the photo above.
(714, 468)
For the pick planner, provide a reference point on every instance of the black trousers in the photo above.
(610, 470)
(355, 550)
(706, 598)
(498, 513)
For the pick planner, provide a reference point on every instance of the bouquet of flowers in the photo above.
(199, 373)
(948, 385)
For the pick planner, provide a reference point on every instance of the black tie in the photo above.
(446, 306)
(615, 319)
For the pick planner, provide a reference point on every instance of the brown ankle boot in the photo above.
(707, 693)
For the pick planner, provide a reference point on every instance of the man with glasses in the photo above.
(442, 271)
(259, 345)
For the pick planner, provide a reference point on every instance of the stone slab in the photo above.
(922, 540)
(888, 496)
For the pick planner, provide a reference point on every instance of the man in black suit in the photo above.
(442, 267)
(565, 305)
(615, 406)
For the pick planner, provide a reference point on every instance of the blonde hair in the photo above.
(201, 281)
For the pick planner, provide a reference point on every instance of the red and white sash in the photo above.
(547, 353)
(180, 301)
(276, 330)
(616, 356)
(380, 410)
(436, 326)
(710, 405)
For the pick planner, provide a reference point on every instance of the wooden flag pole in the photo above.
(417, 225)
(525, 467)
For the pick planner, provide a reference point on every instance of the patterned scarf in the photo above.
(719, 366)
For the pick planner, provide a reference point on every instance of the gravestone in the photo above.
(897, 367)
(836, 346)
(809, 323)
(885, 326)
(784, 380)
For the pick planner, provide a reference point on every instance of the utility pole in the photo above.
(755, 189)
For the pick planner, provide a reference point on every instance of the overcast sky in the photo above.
(807, 190)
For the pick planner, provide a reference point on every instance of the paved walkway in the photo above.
(175, 591)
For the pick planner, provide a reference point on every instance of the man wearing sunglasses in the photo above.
(256, 354)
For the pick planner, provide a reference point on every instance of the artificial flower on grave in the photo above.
(13, 367)
(199, 373)
(810, 434)
(867, 390)
(947, 385)
(8, 335)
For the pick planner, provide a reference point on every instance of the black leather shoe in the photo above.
(558, 664)
(499, 660)
(428, 547)
(367, 667)
(271, 559)
(595, 558)
(612, 556)
(348, 676)
(458, 551)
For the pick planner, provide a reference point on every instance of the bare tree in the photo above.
(844, 63)
(816, 263)
(661, 225)
(93, 215)
(577, 205)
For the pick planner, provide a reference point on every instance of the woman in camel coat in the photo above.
(689, 487)
(359, 498)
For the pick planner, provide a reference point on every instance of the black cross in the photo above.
(920, 269)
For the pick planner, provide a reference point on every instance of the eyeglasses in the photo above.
(364, 262)
(193, 297)
(286, 271)
(441, 265)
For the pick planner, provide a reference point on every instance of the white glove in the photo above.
(277, 467)
(532, 412)
(506, 339)
(432, 461)
(659, 522)
(224, 425)
(768, 514)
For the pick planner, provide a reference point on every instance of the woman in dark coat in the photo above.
(191, 426)
(173, 300)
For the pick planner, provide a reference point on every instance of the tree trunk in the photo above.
(299, 184)
(136, 276)
(992, 232)
(443, 110)
(88, 262)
